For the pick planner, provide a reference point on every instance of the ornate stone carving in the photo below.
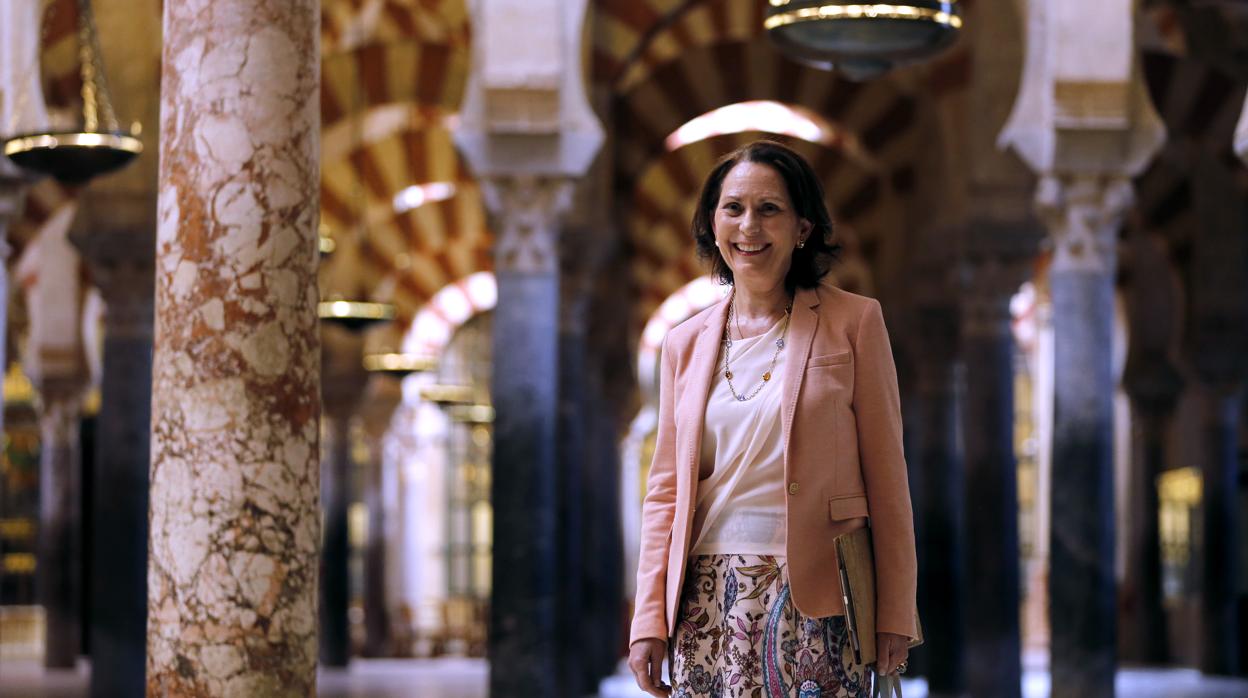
(1083, 214)
(528, 209)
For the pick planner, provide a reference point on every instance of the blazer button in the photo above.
(792, 488)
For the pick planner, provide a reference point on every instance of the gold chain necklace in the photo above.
(732, 316)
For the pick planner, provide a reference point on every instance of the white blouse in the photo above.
(741, 505)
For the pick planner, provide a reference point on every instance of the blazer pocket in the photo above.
(850, 506)
(829, 359)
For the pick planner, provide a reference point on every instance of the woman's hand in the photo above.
(645, 659)
(891, 651)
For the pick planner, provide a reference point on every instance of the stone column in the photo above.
(121, 266)
(529, 133)
(999, 260)
(385, 395)
(11, 193)
(1085, 127)
(941, 500)
(1153, 384)
(1217, 344)
(344, 381)
(1083, 215)
(236, 365)
(525, 639)
(60, 517)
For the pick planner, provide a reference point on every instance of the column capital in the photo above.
(528, 209)
(1083, 213)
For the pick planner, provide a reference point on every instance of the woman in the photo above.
(779, 429)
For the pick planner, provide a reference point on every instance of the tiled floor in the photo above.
(466, 678)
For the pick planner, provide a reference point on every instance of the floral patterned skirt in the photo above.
(738, 634)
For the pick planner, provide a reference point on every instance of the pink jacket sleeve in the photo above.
(657, 512)
(877, 409)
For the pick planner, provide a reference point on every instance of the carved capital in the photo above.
(527, 210)
(1083, 214)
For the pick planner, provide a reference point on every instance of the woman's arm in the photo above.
(657, 512)
(877, 408)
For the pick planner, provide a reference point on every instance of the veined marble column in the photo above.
(344, 381)
(60, 517)
(941, 519)
(999, 259)
(1083, 214)
(236, 364)
(524, 648)
(121, 266)
(1153, 384)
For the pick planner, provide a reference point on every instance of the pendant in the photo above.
(728, 375)
(767, 376)
(780, 343)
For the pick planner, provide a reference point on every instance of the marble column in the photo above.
(525, 611)
(1083, 214)
(1153, 384)
(121, 266)
(343, 383)
(999, 260)
(59, 576)
(941, 521)
(234, 523)
(385, 396)
(1217, 344)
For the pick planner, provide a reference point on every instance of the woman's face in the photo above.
(756, 226)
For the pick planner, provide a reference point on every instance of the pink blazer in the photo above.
(843, 460)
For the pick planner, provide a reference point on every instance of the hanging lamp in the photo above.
(101, 146)
(862, 40)
(398, 365)
(355, 315)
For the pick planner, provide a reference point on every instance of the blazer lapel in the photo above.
(702, 368)
(802, 327)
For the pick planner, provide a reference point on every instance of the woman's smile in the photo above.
(750, 249)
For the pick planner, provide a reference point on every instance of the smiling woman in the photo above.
(779, 428)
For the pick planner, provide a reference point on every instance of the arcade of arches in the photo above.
(207, 491)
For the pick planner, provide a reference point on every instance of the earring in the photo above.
(801, 243)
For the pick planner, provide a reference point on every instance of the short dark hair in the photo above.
(812, 261)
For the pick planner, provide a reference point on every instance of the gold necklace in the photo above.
(732, 316)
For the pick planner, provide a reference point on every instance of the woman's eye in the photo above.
(732, 207)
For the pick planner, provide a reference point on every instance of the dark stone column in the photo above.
(1083, 215)
(1154, 385)
(384, 397)
(12, 193)
(530, 555)
(59, 575)
(1218, 349)
(999, 259)
(941, 562)
(343, 381)
(588, 456)
(121, 266)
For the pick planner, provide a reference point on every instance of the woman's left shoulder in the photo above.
(837, 302)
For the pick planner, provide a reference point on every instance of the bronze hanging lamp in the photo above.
(355, 315)
(101, 146)
(862, 39)
(398, 365)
